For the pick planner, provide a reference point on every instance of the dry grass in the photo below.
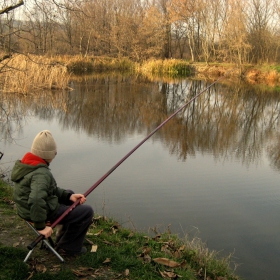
(79, 65)
(172, 67)
(272, 76)
(269, 77)
(27, 74)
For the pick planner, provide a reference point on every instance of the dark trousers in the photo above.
(75, 226)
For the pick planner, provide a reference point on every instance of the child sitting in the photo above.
(38, 199)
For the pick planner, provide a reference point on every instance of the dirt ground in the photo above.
(14, 232)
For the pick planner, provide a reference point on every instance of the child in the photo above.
(38, 199)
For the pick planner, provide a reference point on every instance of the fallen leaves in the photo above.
(37, 267)
(93, 248)
(83, 271)
(8, 201)
(126, 272)
(55, 268)
(107, 260)
(167, 262)
(40, 268)
(107, 242)
(98, 233)
(97, 219)
(115, 228)
(104, 273)
(169, 274)
(145, 255)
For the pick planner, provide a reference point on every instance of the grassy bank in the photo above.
(119, 253)
(28, 74)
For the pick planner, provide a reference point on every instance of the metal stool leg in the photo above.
(45, 243)
(28, 255)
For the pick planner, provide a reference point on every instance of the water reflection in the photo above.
(234, 121)
(230, 122)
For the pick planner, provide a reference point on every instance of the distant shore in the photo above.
(26, 74)
(253, 74)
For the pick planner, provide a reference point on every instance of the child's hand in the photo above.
(47, 231)
(74, 197)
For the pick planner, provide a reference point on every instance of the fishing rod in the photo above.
(40, 237)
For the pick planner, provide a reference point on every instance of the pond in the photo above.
(211, 172)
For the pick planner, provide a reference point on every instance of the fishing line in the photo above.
(40, 237)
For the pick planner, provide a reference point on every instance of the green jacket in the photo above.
(36, 194)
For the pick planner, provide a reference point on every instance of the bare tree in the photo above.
(199, 30)
(260, 27)
(149, 40)
(236, 47)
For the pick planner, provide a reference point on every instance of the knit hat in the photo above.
(44, 145)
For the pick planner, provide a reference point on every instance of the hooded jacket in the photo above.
(36, 194)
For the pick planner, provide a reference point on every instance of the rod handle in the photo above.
(33, 244)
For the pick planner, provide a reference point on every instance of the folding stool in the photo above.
(49, 244)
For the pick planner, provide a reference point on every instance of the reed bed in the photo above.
(28, 74)
(81, 65)
(171, 67)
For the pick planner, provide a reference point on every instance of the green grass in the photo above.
(6, 191)
(5, 198)
(276, 67)
(119, 250)
(126, 251)
(12, 266)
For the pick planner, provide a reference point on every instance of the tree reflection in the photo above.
(230, 121)
(11, 117)
(234, 122)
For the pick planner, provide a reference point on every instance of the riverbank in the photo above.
(27, 74)
(252, 74)
(176, 68)
(117, 253)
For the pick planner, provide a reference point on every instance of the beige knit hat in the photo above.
(44, 145)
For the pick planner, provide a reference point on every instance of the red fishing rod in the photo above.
(40, 237)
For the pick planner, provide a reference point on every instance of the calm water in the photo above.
(212, 172)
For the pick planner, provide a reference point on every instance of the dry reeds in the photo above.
(171, 67)
(80, 65)
(272, 77)
(27, 74)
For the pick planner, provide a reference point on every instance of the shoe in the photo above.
(83, 250)
(71, 253)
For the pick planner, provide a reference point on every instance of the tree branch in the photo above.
(10, 8)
